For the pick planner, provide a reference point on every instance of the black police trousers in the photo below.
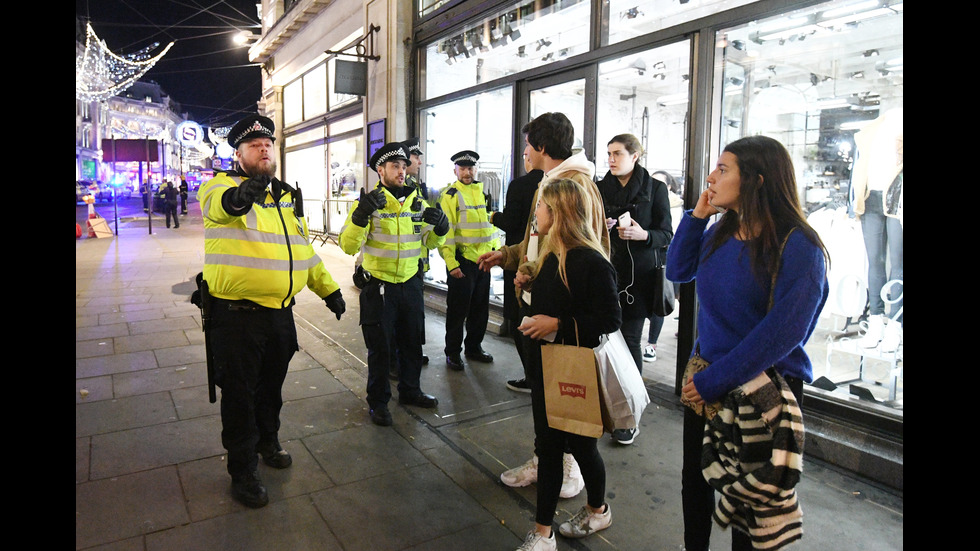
(251, 347)
(392, 315)
(467, 304)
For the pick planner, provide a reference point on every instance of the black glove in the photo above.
(488, 202)
(368, 203)
(335, 302)
(249, 191)
(438, 219)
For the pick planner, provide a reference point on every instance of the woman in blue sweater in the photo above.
(733, 261)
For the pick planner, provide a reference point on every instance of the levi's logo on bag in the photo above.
(571, 389)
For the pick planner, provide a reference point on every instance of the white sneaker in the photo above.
(536, 542)
(572, 482)
(875, 332)
(649, 353)
(586, 522)
(522, 475)
(892, 336)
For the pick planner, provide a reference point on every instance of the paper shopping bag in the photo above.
(622, 394)
(571, 389)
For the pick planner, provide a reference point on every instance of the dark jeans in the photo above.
(392, 320)
(883, 235)
(632, 330)
(251, 346)
(697, 496)
(467, 303)
(551, 445)
(171, 211)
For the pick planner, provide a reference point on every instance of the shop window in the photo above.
(347, 173)
(625, 19)
(827, 82)
(292, 102)
(315, 92)
(480, 123)
(520, 37)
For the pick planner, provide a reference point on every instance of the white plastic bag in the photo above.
(622, 394)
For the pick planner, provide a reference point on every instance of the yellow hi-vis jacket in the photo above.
(470, 230)
(392, 242)
(263, 256)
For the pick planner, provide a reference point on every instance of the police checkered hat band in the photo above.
(412, 146)
(466, 158)
(390, 152)
(253, 126)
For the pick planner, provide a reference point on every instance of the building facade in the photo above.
(826, 78)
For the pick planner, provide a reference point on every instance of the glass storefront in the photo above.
(479, 123)
(826, 80)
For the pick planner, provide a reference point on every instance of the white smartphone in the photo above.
(624, 220)
(550, 337)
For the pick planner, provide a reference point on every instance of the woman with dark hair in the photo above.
(639, 244)
(734, 261)
(572, 291)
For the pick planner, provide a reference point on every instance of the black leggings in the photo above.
(550, 446)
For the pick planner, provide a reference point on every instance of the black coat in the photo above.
(589, 301)
(647, 201)
(517, 210)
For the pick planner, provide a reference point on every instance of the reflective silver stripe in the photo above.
(251, 219)
(253, 236)
(473, 239)
(473, 226)
(387, 238)
(389, 253)
(218, 259)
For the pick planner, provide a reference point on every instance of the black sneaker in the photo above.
(519, 385)
(249, 491)
(274, 456)
(625, 436)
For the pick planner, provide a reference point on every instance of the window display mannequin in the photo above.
(877, 195)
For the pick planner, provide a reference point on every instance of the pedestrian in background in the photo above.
(639, 245)
(257, 258)
(382, 227)
(169, 195)
(734, 262)
(572, 294)
(470, 236)
(183, 196)
(413, 178)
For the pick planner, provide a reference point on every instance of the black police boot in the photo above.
(249, 491)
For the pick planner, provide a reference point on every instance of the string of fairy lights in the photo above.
(101, 74)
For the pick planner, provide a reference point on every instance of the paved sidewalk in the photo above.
(149, 466)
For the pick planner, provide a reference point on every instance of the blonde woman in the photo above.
(573, 286)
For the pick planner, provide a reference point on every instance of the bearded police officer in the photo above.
(257, 258)
(385, 227)
(470, 235)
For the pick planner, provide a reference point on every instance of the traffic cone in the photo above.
(78, 231)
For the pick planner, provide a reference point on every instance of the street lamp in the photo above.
(243, 38)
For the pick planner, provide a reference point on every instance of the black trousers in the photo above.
(391, 319)
(251, 347)
(171, 210)
(513, 314)
(467, 303)
(697, 496)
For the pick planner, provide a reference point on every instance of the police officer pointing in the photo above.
(257, 258)
(384, 226)
(470, 235)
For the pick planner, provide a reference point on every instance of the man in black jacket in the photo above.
(512, 220)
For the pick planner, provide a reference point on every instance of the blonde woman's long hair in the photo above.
(571, 224)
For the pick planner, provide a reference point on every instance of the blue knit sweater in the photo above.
(736, 333)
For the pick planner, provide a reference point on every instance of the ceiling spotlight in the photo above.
(736, 81)
(632, 13)
(869, 53)
(738, 44)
